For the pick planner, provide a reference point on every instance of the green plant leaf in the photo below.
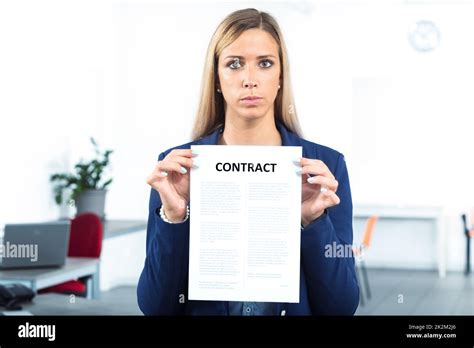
(87, 175)
(107, 183)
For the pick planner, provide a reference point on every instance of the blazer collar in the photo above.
(288, 138)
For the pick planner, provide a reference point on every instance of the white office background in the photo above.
(128, 73)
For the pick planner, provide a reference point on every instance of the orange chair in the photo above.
(469, 233)
(85, 241)
(359, 251)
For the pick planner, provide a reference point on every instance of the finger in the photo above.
(333, 198)
(303, 161)
(155, 177)
(329, 199)
(316, 169)
(169, 166)
(325, 182)
(183, 161)
(297, 161)
(157, 174)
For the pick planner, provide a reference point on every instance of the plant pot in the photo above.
(91, 201)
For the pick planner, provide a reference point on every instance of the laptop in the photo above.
(35, 245)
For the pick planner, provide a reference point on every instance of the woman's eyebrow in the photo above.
(259, 57)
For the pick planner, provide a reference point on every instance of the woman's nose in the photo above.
(249, 81)
(249, 84)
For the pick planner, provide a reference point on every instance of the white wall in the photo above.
(121, 260)
(129, 74)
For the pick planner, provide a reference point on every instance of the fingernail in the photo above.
(311, 179)
(296, 161)
(195, 164)
(183, 170)
(298, 171)
(195, 153)
(164, 174)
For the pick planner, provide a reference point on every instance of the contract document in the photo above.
(245, 224)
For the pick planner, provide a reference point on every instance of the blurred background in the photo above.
(387, 83)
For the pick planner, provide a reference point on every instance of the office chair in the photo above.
(85, 241)
(359, 251)
(469, 233)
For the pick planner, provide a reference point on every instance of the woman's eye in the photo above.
(266, 63)
(235, 64)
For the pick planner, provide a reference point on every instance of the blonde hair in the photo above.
(211, 110)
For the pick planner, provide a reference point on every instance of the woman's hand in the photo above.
(171, 179)
(318, 191)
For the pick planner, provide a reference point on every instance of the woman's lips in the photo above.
(251, 100)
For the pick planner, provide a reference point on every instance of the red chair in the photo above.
(85, 241)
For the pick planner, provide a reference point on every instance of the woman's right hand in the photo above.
(171, 179)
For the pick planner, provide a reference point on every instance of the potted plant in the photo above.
(87, 185)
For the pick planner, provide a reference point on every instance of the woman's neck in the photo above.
(255, 132)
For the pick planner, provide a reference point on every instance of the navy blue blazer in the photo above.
(328, 285)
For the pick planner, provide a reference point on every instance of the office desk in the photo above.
(416, 213)
(117, 228)
(40, 278)
(122, 257)
(57, 304)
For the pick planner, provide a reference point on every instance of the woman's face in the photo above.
(250, 67)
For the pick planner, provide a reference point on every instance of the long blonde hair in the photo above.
(211, 110)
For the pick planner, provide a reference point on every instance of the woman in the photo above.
(247, 100)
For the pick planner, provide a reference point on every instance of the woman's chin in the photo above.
(251, 114)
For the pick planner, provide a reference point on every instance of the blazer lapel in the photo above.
(211, 139)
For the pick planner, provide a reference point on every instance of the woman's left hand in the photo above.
(318, 191)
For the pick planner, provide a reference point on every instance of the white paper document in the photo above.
(245, 224)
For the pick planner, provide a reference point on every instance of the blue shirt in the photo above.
(252, 308)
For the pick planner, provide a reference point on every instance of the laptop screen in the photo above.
(34, 245)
